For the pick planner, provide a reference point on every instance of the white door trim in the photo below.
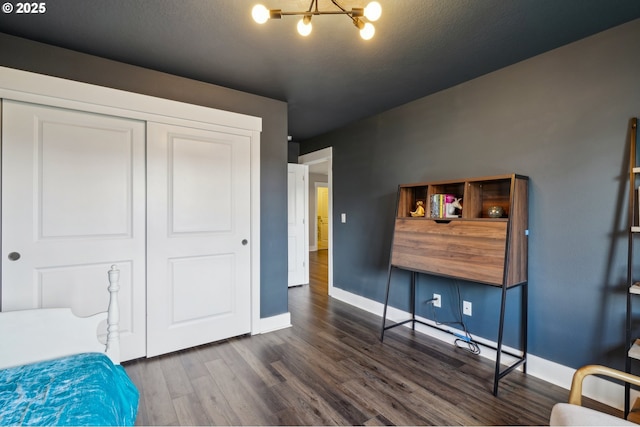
(46, 90)
(320, 156)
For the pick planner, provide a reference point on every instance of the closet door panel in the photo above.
(201, 186)
(73, 187)
(198, 237)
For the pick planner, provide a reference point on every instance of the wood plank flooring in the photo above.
(331, 369)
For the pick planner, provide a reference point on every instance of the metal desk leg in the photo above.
(413, 300)
(496, 377)
(386, 303)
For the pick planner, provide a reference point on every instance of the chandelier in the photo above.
(357, 15)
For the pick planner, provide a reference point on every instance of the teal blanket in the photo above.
(80, 390)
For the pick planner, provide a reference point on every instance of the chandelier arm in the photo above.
(316, 11)
(355, 21)
(331, 12)
(338, 6)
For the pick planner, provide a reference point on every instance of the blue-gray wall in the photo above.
(560, 118)
(36, 57)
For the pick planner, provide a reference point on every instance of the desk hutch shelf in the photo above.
(466, 244)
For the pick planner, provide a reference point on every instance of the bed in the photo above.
(54, 369)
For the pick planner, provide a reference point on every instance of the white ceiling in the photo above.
(332, 77)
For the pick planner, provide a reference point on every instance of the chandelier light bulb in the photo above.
(367, 31)
(373, 11)
(260, 14)
(304, 28)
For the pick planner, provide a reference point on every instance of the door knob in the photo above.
(14, 256)
(244, 242)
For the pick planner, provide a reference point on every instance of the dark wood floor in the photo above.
(331, 369)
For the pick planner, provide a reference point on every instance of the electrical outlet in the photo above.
(437, 300)
(466, 308)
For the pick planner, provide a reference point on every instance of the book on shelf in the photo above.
(441, 206)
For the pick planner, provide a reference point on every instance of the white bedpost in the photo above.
(113, 317)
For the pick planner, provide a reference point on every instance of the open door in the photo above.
(320, 162)
(298, 234)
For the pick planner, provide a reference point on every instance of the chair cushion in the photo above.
(565, 414)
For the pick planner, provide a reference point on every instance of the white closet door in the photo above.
(73, 188)
(198, 201)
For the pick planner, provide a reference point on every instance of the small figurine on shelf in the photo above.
(419, 209)
(453, 207)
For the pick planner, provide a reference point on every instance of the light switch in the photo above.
(343, 218)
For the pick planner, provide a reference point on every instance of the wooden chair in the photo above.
(573, 414)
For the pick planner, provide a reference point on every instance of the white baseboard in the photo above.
(596, 388)
(274, 323)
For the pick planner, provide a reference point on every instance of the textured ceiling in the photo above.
(332, 77)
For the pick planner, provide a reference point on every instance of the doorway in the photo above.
(320, 170)
(322, 215)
